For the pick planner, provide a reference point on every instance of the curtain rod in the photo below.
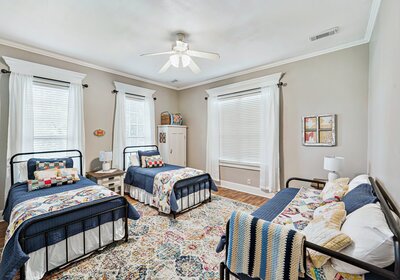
(5, 71)
(116, 91)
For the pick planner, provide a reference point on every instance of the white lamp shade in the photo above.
(105, 156)
(333, 163)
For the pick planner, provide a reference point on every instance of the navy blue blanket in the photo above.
(14, 256)
(143, 178)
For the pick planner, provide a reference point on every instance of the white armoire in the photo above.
(172, 144)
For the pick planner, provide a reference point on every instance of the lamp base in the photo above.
(106, 165)
(332, 176)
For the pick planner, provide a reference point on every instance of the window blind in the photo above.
(134, 107)
(240, 128)
(50, 115)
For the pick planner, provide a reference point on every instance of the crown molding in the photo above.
(373, 15)
(80, 62)
(367, 37)
(278, 63)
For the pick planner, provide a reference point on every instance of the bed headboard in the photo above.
(21, 157)
(128, 150)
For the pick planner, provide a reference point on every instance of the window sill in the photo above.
(240, 165)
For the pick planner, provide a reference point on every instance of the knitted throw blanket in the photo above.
(265, 250)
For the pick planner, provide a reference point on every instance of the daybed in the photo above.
(186, 194)
(390, 214)
(54, 226)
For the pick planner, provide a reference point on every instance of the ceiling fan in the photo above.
(181, 55)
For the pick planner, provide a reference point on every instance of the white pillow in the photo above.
(372, 239)
(360, 179)
(64, 172)
(134, 159)
(334, 191)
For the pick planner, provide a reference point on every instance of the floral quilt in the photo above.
(299, 212)
(46, 204)
(164, 184)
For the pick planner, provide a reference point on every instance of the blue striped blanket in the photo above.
(258, 248)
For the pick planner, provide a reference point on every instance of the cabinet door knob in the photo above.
(170, 151)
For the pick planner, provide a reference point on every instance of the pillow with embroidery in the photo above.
(43, 174)
(334, 191)
(65, 172)
(50, 165)
(154, 161)
(34, 185)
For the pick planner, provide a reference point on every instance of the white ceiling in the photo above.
(246, 33)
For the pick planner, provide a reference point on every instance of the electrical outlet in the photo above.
(248, 181)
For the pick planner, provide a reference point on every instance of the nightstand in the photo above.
(318, 185)
(111, 180)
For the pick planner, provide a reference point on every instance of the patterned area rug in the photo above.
(160, 247)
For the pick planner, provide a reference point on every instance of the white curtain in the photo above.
(20, 124)
(76, 127)
(269, 146)
(213, 142)
(149, 122)
(119, 137)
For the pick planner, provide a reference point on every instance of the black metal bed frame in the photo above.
(181, 184)
(387, 205)
(24, 236)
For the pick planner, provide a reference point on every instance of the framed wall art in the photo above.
(319, 130)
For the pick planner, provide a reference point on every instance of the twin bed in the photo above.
(192, 187)
(51, 227)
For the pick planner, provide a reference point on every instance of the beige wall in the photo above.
(99, 103)
(384, 98)
(332, 83)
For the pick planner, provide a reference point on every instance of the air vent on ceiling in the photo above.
(174, 81)
(325, 33)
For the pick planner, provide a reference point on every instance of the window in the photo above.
(50, 115)
(135, 134)
(240, 128)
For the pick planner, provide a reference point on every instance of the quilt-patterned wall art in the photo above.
(319, 130)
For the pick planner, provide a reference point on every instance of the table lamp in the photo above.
(106, 158)
(333, 165)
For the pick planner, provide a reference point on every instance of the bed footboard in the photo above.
(203, 184)
(25, 236)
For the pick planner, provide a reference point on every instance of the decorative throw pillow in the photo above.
(334, 191)
(372, 239)
(324, 230)
(66, 172)
(142, 154)
(358, 197)
(49, 182)
(50, 165)
(43, 174)
(154, 161)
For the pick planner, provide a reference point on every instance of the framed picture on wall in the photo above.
(319, 130)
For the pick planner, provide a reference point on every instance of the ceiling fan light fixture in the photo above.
(185, 60)
(174, 59)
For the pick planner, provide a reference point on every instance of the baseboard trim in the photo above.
(245, 189)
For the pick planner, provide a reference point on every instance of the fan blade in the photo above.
(193, 66)
(165, 67)
(207, 55)
(159, 53)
